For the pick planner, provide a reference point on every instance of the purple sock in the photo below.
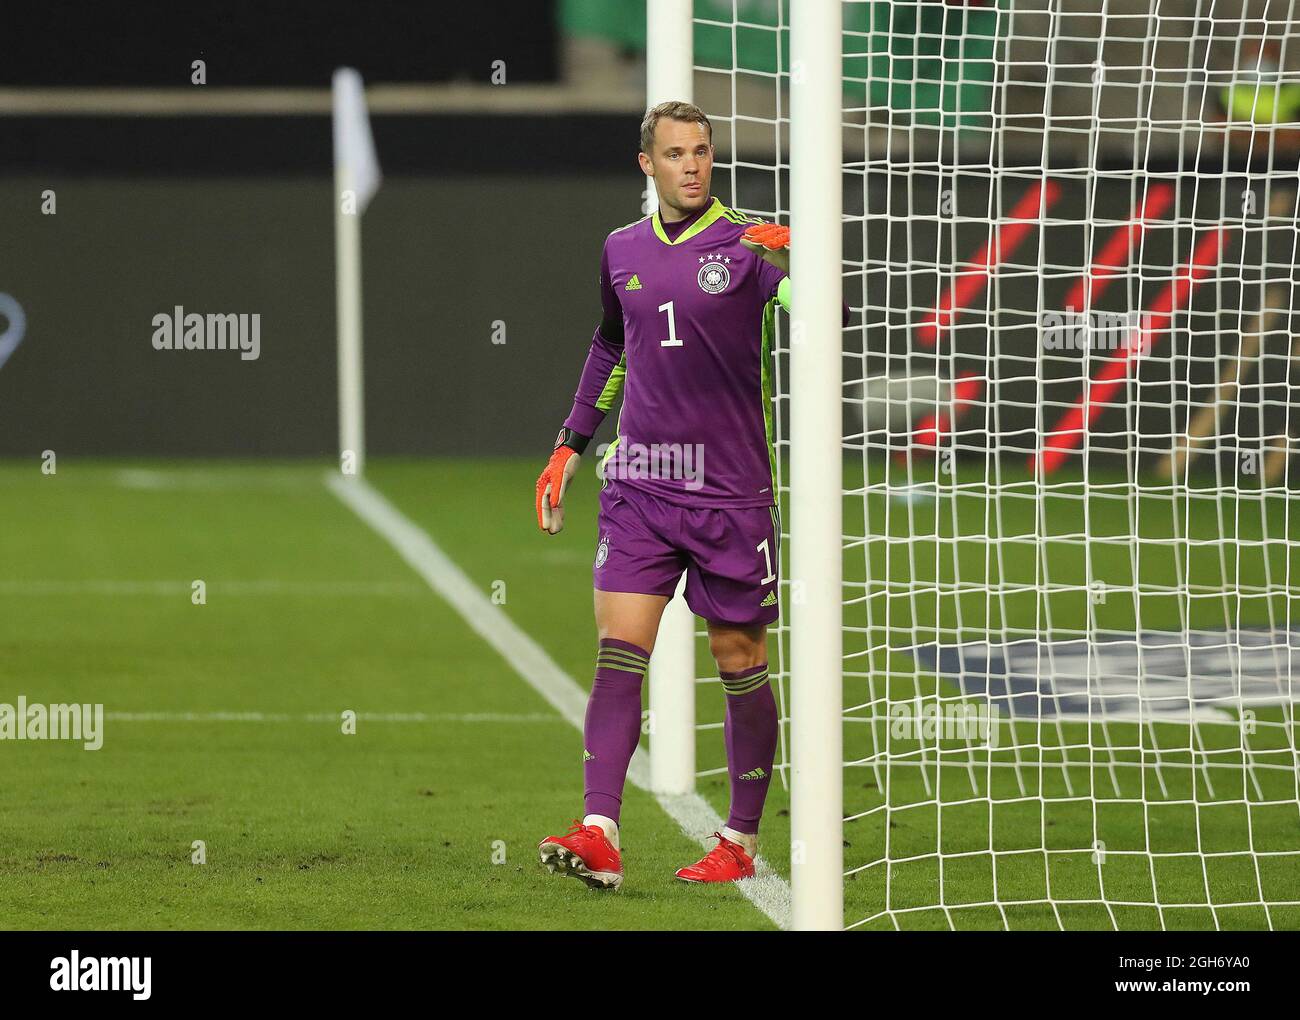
(750, 731)
(613, 724)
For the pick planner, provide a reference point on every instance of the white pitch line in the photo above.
(203, 480)
(767, 890)
(214, 588)
(334, 717)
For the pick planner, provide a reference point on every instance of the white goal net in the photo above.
(1070, 249)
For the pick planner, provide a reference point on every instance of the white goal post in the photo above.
(670, 75)
(816, 645)
(816, 470)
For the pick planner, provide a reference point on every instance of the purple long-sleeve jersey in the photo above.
(687, 336)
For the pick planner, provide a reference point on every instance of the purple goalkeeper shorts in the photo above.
(731, 556)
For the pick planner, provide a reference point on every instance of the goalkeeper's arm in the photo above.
(771, 241)
(601, 382)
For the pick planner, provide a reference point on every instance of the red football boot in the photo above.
(584, 852)
(726, 862)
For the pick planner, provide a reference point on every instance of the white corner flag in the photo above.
(354, 148)
(356, 179)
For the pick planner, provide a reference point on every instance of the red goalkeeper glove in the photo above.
(771, 236)
(772, 242)
(554, 480)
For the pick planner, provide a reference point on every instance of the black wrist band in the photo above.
(574, 441)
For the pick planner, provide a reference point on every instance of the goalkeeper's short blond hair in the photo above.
(674, 110)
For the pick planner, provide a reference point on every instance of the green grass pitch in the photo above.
(428, 816)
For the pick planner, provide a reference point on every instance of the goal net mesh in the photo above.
(1070, 253)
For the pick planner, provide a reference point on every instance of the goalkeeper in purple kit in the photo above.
(688, 297)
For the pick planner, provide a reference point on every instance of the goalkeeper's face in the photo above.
(682, 165)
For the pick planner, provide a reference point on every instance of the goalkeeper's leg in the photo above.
(635, 574)
(626, 623)
(750, 733)
(749, 727)
(731, 582)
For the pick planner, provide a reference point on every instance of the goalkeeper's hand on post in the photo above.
(554, 479)
(772, 242)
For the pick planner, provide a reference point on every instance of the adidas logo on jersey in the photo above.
(587, 755)
(634, 283)
(757, 773)
(770, 600)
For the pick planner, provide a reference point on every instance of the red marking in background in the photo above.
(933, 427)
(969, 282)
(1119, 247)
(1099, 391)
(1114, 256)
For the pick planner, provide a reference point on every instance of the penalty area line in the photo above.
(767, 890)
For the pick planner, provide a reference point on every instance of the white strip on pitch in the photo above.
(214, 588)
(334, 717)
(767, 890)
(211, 480)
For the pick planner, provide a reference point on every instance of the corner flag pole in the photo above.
(356, 178)
(670, 75)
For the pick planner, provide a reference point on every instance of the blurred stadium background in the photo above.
(480, 254)
(210, 197)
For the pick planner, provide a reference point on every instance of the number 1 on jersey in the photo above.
(673, 340)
